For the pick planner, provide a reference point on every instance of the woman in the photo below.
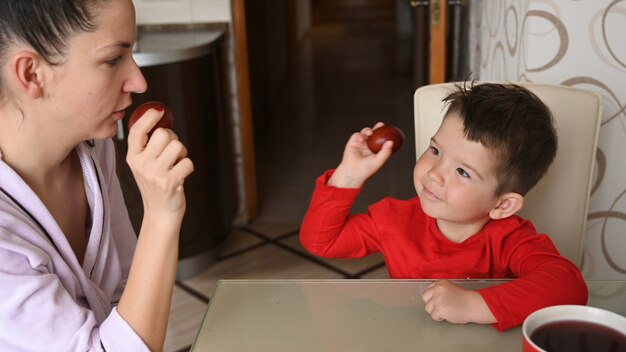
(73, 275)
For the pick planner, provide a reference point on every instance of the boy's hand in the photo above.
(359, 163)
(447, 301)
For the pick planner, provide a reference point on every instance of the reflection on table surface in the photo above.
(353, 315)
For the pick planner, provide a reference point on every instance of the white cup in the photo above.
(564, 313)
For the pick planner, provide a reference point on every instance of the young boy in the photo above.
(494, 143)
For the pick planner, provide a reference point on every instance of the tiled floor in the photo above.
(345, 78)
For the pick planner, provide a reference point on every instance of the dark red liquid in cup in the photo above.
(578, 336)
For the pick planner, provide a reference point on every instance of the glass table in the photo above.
(353, 315)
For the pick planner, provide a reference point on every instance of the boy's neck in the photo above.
(459, 232)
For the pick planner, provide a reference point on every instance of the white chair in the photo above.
(558, 204)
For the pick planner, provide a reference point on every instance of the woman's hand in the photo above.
(159, 165)
(359, 163)
(447, 301)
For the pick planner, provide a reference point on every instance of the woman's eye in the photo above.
(463, 173)
(114, 61)
(434, 150)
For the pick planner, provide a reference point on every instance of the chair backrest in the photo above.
(558, 204)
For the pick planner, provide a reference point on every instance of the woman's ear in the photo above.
(507, 205)
(26, 71)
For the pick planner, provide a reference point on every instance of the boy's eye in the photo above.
(434, 150)
(463, 173)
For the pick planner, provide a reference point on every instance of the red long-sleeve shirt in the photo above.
(414, 248)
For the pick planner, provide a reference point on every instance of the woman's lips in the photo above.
(119, 114)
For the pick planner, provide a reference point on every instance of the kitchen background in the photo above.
(576, 43)
(345, 71)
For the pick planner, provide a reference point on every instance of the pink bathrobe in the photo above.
(48, 300)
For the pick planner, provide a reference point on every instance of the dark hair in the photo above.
(45, 25)
(512, 122)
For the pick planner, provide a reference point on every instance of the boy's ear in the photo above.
(507, 205)
(27, 73)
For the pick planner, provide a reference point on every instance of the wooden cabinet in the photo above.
(194, 89)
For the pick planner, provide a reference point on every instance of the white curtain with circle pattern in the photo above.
(574, 43)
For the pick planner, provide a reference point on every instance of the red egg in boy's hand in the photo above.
(385, 133)
(165, 122)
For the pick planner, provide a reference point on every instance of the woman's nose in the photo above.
(136, 83)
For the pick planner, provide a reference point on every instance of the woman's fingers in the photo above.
(138, 134)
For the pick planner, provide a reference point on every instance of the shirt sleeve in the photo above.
(117, 335)
(543, 278)
(38, 313)
(328, 230)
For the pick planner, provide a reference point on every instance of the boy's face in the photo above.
(455, 178)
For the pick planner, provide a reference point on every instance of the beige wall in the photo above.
(580, 44)
(182, 11)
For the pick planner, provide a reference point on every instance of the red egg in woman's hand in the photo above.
(166, 121)
(385, 133)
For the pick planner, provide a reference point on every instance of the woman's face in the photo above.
(92, 87)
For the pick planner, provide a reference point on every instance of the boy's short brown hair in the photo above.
(512, 122)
